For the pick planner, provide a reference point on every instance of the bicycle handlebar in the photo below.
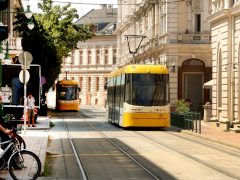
(14, 133)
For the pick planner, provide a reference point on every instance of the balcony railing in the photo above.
(14, 43)
(194, 38)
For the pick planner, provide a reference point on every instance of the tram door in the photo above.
(193, 89)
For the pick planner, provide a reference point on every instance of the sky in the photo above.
(82, 6)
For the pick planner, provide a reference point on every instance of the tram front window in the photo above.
(149, 89)
(67, 93)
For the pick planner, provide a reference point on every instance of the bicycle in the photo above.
(22, 164)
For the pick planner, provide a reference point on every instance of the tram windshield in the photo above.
(147, 89)
(67, 92)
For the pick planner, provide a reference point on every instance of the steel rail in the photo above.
(74, 148)
(212, 166)
(125, 153)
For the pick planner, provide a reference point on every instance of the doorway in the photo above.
(191, 77)
(193, 89)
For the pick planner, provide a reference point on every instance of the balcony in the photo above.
(194, 38)
(15, 44)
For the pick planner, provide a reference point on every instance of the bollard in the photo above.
(207, 111)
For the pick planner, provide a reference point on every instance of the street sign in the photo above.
(27, 76)
(27, 56)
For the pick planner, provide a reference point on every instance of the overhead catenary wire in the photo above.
(114, 15)
(117, 4)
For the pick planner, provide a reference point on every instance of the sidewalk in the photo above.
(215, 134)
(36, 139)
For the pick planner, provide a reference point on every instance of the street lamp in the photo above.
(28, 12)
(7, 60)
(66, 71)
(30, 25)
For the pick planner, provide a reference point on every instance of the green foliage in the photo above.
(182, 106)
(5, 117)
(53, 37)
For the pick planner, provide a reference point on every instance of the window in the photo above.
(89, 84)
(96, 101)
(105, 82)
(114, 56)
(98, 57)
(72, 57)
(89, 55)
(106, 56)
(147, 89)
(232, 2)
(97, 83)
(80, 57)
(198, 23)
(80, 82)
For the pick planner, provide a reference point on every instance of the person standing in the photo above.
(30, 108)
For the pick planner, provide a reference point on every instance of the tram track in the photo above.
(82, 169)
(188, 155)
(158, 140)
(198, 142)
(125, 153)
(74, 148)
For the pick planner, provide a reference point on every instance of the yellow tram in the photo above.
(67, 95)
(138, 96)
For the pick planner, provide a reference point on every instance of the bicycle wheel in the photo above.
(30, 165)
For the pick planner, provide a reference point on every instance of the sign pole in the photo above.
(25, 92)
(25, 59)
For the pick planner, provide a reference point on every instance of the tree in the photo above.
(54, 36)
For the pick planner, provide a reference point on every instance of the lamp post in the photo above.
(66, 71)
(1, 58)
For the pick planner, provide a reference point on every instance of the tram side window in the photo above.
(118, 91)
(122, 90)
(128, 97)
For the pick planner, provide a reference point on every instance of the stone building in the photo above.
(12, 46)
(225, 29)
(91, 63)
(173, 33)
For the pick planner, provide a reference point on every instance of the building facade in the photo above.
(225, 28)
(12, 46)
(172, 33)
(91, 63)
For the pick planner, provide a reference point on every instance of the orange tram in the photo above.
(67, 95)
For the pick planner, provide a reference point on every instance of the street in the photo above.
(109, 152)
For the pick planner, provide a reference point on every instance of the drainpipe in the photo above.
(232, 72)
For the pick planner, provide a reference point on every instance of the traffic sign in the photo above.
(27, 76)
(27, 56)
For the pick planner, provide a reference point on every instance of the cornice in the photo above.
(235, 10)
(224, 13)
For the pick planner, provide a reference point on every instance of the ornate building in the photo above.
(12, 46)
(225, 29)
(173, 33)
(91, 63)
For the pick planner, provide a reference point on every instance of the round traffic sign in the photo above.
(27, 56)
(27, 76)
